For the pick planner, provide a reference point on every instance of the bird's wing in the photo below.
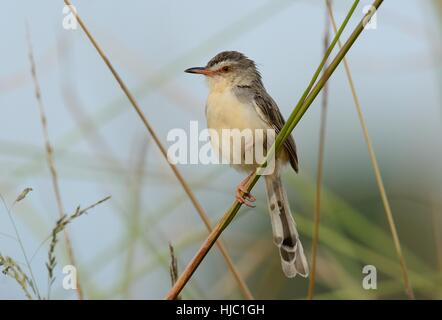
(269, 112)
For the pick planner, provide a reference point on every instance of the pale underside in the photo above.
(225, 111)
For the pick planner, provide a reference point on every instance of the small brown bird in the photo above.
(238, 100)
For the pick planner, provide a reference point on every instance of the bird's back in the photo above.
(268, 111)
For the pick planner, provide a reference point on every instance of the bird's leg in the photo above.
(242, 195)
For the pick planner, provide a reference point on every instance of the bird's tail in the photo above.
(285, 235)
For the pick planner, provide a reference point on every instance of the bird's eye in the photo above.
(225, 69)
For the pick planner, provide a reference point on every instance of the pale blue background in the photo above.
(396, 68)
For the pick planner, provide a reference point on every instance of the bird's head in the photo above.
(228, 69)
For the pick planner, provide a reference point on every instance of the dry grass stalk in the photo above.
(60, 226)
(23, 194)
(319, 170)
(32, 283)
(11, 269)
(173, 267)
(241, 283)
(50, 157)
(377, 172)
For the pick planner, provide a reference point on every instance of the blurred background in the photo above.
(101, 147)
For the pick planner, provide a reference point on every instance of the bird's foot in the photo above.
(243, 196)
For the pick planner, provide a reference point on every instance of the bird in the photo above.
(237, 99)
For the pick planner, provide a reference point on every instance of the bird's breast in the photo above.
(225, 111)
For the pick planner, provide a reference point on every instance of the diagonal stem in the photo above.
(317, 72)
(377, 172)
(241, 283)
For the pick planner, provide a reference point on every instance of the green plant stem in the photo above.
(286, 130)
(377, 171)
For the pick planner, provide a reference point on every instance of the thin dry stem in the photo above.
(173, 267)
(241, 283)
(32, 282)
(59, 227)
(50, 159)
(319, 174)
(11, 268)
(377, 172)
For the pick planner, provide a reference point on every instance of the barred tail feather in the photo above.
(285, 235)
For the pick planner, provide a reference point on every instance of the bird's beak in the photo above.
(199, 70)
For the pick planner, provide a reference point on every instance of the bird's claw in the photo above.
(244, 197)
